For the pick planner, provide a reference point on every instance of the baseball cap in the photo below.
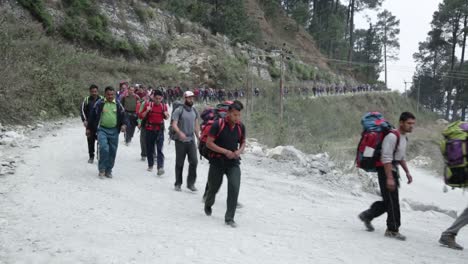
(188, 94)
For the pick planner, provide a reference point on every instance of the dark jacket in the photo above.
(87, 107)
(95, 117)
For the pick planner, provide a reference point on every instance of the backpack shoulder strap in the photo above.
(397, 134)
(221, 124)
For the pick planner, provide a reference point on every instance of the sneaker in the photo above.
(91, 160)
(396, 235)
(108, 175)
(150, 169)
(192, 188)
(160, 171)
(143, 158)
(231, 223)
(448, 240)
(366, 222)
(101, 175)
(239, 205)
(177, 188)
(208, 210)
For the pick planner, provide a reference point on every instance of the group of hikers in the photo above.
(220, 136)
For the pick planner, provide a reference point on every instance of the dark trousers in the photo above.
(155, 138)
(215, 179)
(131, 124)
(184, 149)
(91, 143)
(143, 142)
(390, 203)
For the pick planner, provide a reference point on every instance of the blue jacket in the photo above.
(95, 117)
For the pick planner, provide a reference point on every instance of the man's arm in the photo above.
(197, 129)
(405, 168)
(388, 149)
(212, 146)
(175, 125)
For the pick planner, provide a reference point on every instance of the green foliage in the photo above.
(43, 74)
(274, 72)
(38, 11)
(223, 16)
(325, 123)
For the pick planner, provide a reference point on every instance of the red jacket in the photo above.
(155, 117)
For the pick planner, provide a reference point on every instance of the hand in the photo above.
(166, 115)
(123, 128)
(139, 126)
(391, 184)
(230, 155)
(85, 123)
(410, 178)
(237, 153)
(88, 132)
(182, 136)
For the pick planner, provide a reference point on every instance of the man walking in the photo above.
(393, 154)
(129, 102)
(108, 119)
(154, 114)
(227, 141)
(448, 236)
(186, 127)
(86, 109)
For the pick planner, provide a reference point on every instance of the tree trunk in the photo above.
(351, 31)
(456, 27)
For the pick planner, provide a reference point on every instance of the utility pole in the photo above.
(281, 88)
(247, 87)
(419, 92)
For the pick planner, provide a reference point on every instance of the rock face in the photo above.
(194, 51)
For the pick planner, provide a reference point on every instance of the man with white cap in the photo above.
(186, 127)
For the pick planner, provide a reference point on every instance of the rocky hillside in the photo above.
(143, 31)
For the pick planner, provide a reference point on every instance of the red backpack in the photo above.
(210, 116)
(369, 150)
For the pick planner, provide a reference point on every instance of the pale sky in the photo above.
(415, 17)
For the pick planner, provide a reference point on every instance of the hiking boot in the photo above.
(150, 169)
(208, 210)
(101, 175)
(448, 240)
(160, 171)
(396, 235)
(108, 175)
(192, 188)
(91, 160)
(231, 223)
(177, 188)
(366, 222)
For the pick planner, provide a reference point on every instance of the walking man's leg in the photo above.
(234, 178)
(160, 146)
(113, 145)
(143, 143)
(179, 166)
(193, 163)
(103, 150)
(448, 236)
(215, 179)
(150, 141)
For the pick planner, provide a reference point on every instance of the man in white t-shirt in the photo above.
(392, 156)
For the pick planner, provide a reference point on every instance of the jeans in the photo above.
(155, 138)
(108, 139)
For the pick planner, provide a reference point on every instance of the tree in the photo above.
(353, 7)
(388, 29)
